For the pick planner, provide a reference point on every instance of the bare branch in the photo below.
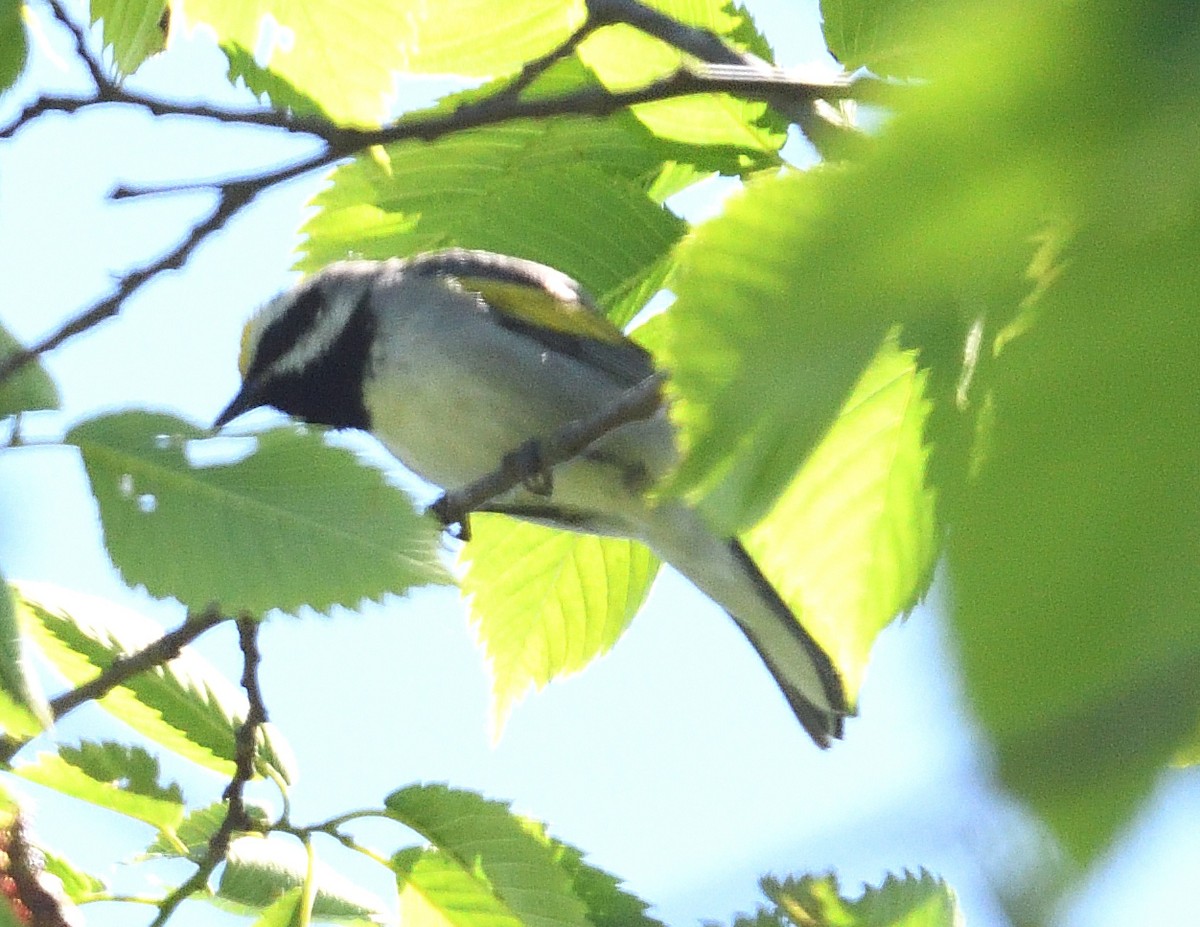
(534, 460)
(104, 84)
(753, 83)
(235, 817)
(232, 197)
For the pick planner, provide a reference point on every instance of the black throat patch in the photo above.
(329, 390)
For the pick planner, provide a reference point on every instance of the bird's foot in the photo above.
(530, 465)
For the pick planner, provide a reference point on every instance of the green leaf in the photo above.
(77, 885)
(284, 911)
(134, 29)
(296, 523)
(14, 45)
(24, 712)
(545, 602)
(887, 36)
(258, 871)
(499, 41)
(435, 891)
(853, 539)
(280, 93)
(114, 776)
(567, 192)
(608, 905)
(341, 54)
(185, 705)
(625, 58)
(507, 868)
(30, 388)
(190, 840)
(816, 901)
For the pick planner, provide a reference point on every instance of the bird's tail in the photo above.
(724, 571)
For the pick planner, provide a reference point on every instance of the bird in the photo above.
(454, 358)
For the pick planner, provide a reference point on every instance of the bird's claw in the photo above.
(528, 461)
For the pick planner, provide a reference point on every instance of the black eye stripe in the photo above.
(283, 333)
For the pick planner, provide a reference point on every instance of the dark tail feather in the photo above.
(821, 725)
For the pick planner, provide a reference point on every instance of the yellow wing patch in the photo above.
(543, 309)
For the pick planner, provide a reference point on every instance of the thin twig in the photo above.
(640, 402)
(256, 717)
(232, 197)
(247, 739)
(121, 670)
(261, 118)
(539, 66)
(590, 101)
(124, 668)
(104, 84)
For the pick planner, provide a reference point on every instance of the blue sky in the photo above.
(672, 761)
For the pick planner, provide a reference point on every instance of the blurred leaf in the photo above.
(114, 776)
(185, 705)
(296, 523)
(30, 388)
(887, 36)
(1189, 753)
(744, 306)
(816, 901)
(1075, 571)
(191, 838)
(258, 871)
(1075, 562)
(506, 866)
(23, 709)
(14, 49)
(134, 29)
(853, 540)
(546, 602)
(77, 885)
(567, 192)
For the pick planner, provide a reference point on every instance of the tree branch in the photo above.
(231, 198)
(754, 83)
(534, 460)
(247, 740)
(104, 84)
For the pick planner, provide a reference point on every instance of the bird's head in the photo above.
(306, 352)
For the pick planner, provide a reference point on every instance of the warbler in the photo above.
(455, 358)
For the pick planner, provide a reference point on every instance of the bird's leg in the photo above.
(529, 463)
(447, 510)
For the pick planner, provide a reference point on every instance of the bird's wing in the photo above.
(545, 305)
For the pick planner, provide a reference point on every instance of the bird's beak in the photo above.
(244, 401)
